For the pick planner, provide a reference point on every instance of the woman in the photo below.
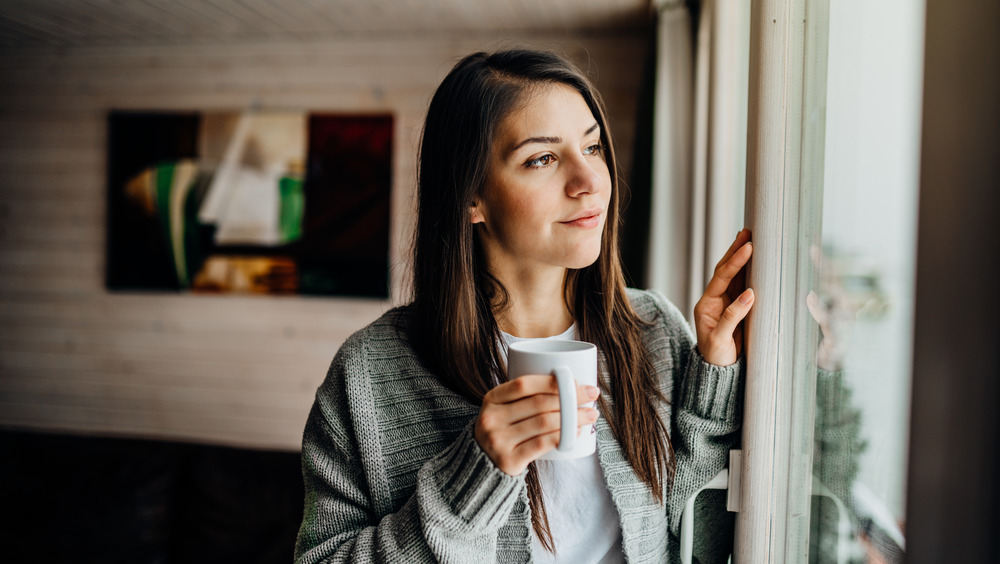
(418, 449)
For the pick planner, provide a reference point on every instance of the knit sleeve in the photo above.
(705, 425)
(460, 502)
(837, 438)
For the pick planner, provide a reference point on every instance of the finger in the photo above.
(545, 424)
(516, 390)
(587, 394)
(741, 239)
(533, 445)
(521, 387)
(738, 283)
(530, 450)
(816, 254)
(526, 408)
(735, 313)
(818, 313)
(725, 272)
(535, 404)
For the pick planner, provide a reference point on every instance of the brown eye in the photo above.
(541, 161)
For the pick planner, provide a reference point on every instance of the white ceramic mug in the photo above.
(571, 362)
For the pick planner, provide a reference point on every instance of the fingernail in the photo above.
(593, 392)
(746, 297)
(591, 414)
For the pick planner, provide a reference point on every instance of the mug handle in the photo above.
(567, 407)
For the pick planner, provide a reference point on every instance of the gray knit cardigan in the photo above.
(393, 474)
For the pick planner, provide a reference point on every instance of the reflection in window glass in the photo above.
(862, 295)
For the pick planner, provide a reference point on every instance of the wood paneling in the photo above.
(232, 370)
(167, 22)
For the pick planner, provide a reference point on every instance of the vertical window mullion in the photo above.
(771, 479)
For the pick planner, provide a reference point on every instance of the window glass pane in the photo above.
(862, 284)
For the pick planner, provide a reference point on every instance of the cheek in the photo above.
(524, 220)
(514, 210)
(606, 178)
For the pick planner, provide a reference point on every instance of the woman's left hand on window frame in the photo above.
(725, 303)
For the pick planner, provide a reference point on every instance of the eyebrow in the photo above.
(530, 140)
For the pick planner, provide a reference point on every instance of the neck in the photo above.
(537, 304)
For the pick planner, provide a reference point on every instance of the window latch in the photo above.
(728, 479)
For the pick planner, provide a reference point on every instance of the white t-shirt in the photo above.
(583, 519)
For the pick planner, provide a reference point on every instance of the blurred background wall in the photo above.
(237, 371)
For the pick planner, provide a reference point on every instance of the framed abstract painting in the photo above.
(252, 202)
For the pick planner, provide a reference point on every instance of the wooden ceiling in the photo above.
(69, 23)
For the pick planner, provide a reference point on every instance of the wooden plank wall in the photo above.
(238, 371)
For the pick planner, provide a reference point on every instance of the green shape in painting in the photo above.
(291, 189)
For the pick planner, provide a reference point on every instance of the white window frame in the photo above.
(787, 41)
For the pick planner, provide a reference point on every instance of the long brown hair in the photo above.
(455, 296)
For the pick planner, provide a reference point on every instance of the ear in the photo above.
(476, 213)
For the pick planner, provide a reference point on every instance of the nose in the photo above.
(584, 176)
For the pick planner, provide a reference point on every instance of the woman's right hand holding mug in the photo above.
(519, 420)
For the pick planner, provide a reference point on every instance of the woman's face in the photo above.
(547, 196)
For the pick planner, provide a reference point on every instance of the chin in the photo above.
(583, 260)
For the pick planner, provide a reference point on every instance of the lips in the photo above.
(586, 218)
